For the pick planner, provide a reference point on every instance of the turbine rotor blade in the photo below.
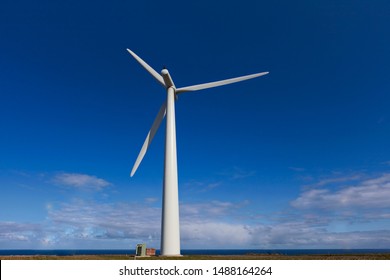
(219, 83)
(152, 72)
(149, 137)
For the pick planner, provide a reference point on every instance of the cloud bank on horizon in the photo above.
(324, 215)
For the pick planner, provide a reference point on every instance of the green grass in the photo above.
(207, 257)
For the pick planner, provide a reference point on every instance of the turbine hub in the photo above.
(167, 78)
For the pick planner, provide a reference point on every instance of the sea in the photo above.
(198, 252)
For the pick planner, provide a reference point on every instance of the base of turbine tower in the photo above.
(170, 256)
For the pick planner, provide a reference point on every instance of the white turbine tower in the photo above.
(170, 231)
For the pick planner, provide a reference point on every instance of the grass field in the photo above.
(207, 257)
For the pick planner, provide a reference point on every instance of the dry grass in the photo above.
(207, 257)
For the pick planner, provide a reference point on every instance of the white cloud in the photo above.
(328, 181)
(81, 181)
(99, 221)
(218, 223)
(209, 210)
(21, 233)
(151, 199)
(214, 234)
(373, 193)
(85, 224)
(302, 235)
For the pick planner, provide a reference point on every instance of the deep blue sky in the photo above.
(299, 158)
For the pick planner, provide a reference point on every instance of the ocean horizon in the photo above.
(288, 252)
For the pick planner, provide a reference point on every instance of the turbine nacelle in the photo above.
(167, 78)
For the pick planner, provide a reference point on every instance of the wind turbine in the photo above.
(170, 231)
